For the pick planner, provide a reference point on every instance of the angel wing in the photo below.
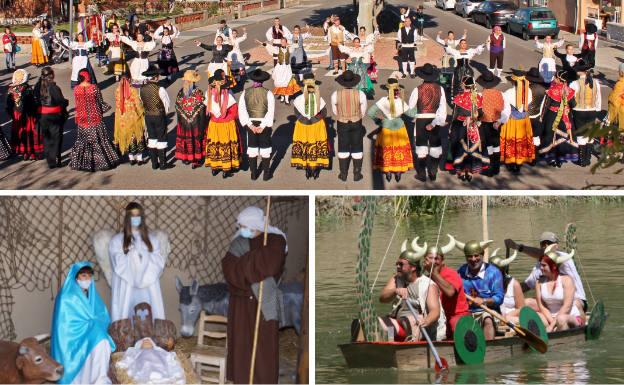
(165, 245)
(101, 240)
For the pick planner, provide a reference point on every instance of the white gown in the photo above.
(152, 366)
(79, 62)
(136, 277)
(95, 368)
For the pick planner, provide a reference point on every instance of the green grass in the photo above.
(29, 27)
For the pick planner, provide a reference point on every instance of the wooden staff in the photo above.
(255, 340)
(484, 224)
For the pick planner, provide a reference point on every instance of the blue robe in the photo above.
(79, 323)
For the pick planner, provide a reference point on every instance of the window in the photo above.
(542, 15)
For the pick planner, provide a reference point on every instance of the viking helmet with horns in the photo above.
(558, 257)
(500, 261)
(471, 247)
(415, 252)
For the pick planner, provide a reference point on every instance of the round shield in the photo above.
(469, 341)
(596, 322)
(532, 322)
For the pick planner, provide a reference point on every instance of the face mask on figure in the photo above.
(84, 278)
(134, 223)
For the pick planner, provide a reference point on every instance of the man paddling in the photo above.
(408, 284)
(451, 287)
(567, 268)
(484, 282)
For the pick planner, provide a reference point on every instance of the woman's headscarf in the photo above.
(311, 105)
(252, 217)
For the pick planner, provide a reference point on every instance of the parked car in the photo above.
(533, 21)
(490, 13)
(465, 7)
(445, 4)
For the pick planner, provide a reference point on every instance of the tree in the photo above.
(368, 11)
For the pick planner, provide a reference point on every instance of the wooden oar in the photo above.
(528, 336)
(441, 363)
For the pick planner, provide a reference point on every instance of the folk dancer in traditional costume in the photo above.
(450, 40)
(192, 122)
(80, 59)
(52, 112)
(410, 283)
(284, 83)
(393, 152)
(326, 24)
(337, 35)
(235, 57)
(349, 107)
(137, 265)
(369, 39)
(299, 58)
(156, 105)
(174, 32)
(406, 38)
(79, 339)
(588, 42)
(129, 122)
(26, 139)
(360, 63)
(256, 111)
(558, 142)
(101, 47)
(39, 47)
(538, 91)
(141, 63)
(568, 59)
(615, 113)
(496, 43)
(406, 13)
(223, 30)
(516, 134)
(275, 34)
(429, 100)
(420, 23)
(222, 139)
(310, 148)
(467, 145)
(462, 56)
(93, 150)
(219, 60)
(494, 115)
(248, 262)
(117, 57)
(167, 61)
(547, 65)
(588, 105)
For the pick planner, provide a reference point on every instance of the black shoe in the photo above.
(154, 158)
(195, 165)
(421, 169)
(308, 173)
(316, 173)
(413, 76)
(397, 176)
(133, 162)
(215, 172)
(389, 176)
(186, 162)
(162, 159)
(227, 174)
(432, 167)
(343, 164)
(468, 177)
(253, 168)
(494, 165)
(265, 165)
(357, 170)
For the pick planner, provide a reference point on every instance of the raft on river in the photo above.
(473, 350)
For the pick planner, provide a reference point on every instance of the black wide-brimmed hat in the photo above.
(582, 66)
(488, 80)
(152, 72)
(310, 76)
(467, 81)
(259, 75)
(348, 79)
(428, 72)
(563, 75)
(591, 28)
(534, 76)
(219, 75)
(389, 82)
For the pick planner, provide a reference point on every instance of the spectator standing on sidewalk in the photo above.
(9, 41)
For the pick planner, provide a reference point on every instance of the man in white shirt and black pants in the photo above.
(407, 47)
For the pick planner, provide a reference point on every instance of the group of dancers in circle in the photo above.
(542, 114)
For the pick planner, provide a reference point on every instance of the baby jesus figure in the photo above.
(146, 363)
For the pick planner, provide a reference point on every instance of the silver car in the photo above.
(465, 7)
(445, 4)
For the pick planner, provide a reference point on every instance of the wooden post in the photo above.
(484, 223)
(59, 277)
(303, 357)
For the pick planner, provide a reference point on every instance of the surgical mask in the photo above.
(135, 221)
(246, 233)
(84, 284)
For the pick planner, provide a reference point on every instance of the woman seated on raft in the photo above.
(555, 294)
(514, 298)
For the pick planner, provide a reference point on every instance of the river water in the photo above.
(600, 232)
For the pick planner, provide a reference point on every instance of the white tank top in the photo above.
(554, 301)
(509, 302)
(417, 294)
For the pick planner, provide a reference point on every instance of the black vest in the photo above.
(407, 37)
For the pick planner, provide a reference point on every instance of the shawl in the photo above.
(129, 114)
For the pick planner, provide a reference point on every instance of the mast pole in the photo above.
(484, 224)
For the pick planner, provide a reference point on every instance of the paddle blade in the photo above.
(445, 366)
(534, 341)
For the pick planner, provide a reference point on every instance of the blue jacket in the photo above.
(487, 284)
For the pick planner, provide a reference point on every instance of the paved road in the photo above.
(35, 175)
